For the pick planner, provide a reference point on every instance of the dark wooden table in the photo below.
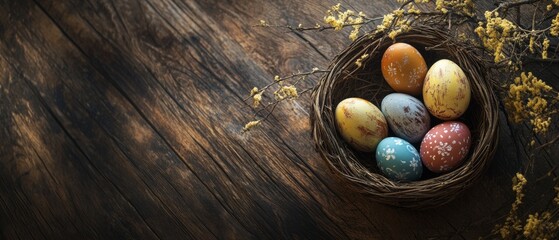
(122, 120)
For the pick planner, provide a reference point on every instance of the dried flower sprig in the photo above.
(336, 19)
(455, 12)
(512, 224)
(287, 89)
(538, 225)
(530, 98)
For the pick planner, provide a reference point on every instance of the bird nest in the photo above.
(347, 79)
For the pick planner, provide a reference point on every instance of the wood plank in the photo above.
(57, 91)
(59, 95)
(113, 100)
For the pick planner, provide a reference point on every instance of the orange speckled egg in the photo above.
(360, 123)
(404, 68)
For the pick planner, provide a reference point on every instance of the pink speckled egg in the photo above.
(445, 146)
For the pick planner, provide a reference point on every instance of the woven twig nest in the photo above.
(346, 79)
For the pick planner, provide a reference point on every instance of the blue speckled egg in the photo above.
(406, 116)
(398, 159)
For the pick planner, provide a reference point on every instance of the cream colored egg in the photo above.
(360, 123)
(446, 90)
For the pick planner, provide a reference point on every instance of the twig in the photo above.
(281, 79)
(506, 5)
(548, 143)
(322, 28)
(533, 59)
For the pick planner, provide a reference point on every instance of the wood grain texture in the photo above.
(122, 120)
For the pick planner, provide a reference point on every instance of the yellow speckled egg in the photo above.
(446, 90)
(360, 123)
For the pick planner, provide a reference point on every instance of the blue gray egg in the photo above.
(398, 159)
(407, 116)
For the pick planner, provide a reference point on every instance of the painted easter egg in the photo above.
(445, 146)
(446, 90)
(404, 68)
(406, 116)
(398, 159)
(360, 123)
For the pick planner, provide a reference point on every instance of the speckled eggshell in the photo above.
(404, 68)
(445, 146)
(360, 123)
(398, 159)
(406, 116)
(446, 90)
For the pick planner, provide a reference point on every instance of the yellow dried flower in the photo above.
(358, 21)
(540, 125)
(354, 33)
(277, 78)
(532, 223)
(337, 18)
(462, 37)
(540, 226)
(480, 30)
(519, 182)
(439, 4)
(398, 12)
(554, 27)
(464, 7)
(400, 26)
(495, 33)
(413, 10)
(336, 7)
(253, 91)
(545, 46)
(286, 92)
(525, 100)
(332, 21)
(512, 223)
(256, 99)
(531, 45)
(359, 61)
(393, 34)
(549, 7)
(263, 23)
(468, 7)
(250, 125)
(386, 22)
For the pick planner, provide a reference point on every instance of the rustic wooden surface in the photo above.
(122, 120)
